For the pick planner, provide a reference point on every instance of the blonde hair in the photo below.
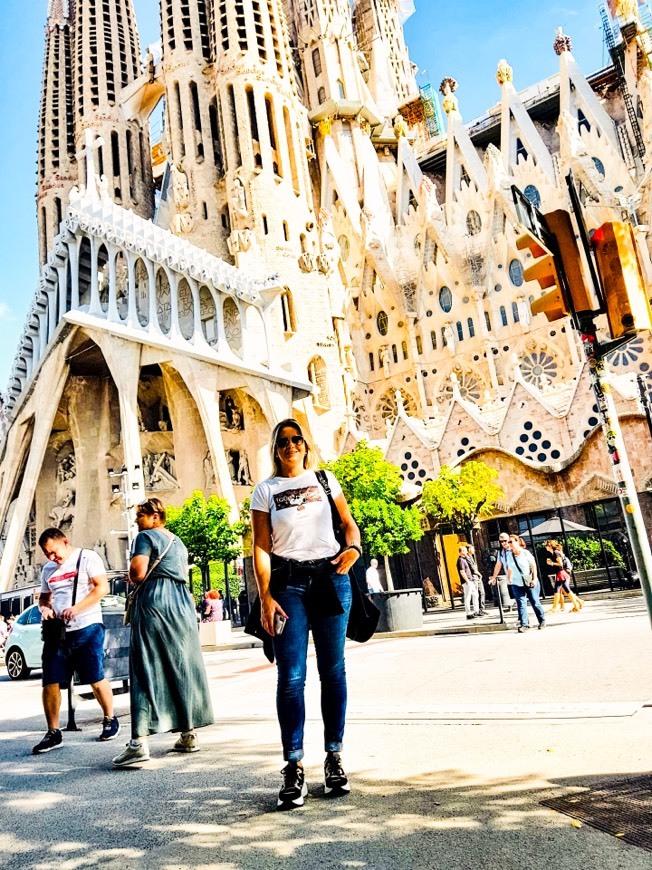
(290, 422)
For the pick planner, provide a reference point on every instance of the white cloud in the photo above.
(6, 313)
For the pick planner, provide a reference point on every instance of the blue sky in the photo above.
(464, 39)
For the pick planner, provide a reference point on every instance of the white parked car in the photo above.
(24, 645)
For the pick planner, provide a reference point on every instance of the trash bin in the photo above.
(501, 588)
(400, 609)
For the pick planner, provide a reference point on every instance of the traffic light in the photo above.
(626, 296)
(546, 270)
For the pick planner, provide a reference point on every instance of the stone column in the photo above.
(112, 313)
(73, 253)
(44, 403)
(95, 307)
(123, 360)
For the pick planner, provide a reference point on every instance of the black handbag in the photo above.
(364, 615)
(53, 631)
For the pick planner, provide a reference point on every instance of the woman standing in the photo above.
(303, 582)
(168, 685)
(560, 563)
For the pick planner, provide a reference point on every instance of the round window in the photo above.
(382, 322)
(445, 299)
(516, 273)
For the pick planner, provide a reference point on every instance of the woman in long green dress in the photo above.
(168, 684)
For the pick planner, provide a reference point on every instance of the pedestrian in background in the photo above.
(167, 677)
(562, 567)
(467, 580)
(303, 584)
(522, 575)
(213, 606)
(372, 577)
(500, 567)
(477, 578)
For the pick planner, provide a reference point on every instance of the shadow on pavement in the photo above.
(69, 810)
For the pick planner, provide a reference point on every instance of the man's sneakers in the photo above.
(186, 743)
(110, 728)
(294, 788)
(523, 628)
(336, 782)
(52, 740)
(132, 754)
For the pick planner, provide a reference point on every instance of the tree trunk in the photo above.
(388, 575)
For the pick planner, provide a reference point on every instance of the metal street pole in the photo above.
(622, 469)
(645, 401)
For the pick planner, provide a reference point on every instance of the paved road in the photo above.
(452, 742)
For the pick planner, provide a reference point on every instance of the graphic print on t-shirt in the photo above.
(296, 498)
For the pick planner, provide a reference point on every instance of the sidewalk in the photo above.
(451, 622)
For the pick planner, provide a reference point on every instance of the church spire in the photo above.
(56, 170)
(107, 60)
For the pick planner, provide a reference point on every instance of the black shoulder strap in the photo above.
(74, 587)
(335, 514)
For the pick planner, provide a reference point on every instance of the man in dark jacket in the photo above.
(468, 583)
(477, 577)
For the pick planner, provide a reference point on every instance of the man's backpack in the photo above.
(566, 563)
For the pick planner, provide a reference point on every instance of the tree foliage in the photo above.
(586, 553)
(203, 526)
(461, 496)
(371, 487)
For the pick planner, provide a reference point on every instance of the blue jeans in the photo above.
(291, 651)
(523, 594)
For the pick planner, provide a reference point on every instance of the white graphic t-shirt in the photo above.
(302, 527)
(60, 579)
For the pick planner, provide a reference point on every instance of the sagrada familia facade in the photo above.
(306, 238)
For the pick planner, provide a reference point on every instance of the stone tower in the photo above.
(193, 124)
(106, 59)
(57, 170)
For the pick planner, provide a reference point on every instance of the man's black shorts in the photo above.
(82, 653)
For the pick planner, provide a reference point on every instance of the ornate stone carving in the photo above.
(63, 513)
(159, 471)
(562, 42)
(504, 72)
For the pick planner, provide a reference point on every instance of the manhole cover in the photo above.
(621, 808)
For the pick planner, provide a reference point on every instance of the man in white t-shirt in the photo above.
(81, 651)
(373, 578)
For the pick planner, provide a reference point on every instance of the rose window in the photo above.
(539, 366)
(469, 385)
(388, 408)
(627, 354)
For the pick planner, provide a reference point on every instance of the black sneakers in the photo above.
(294, 787)
(52, 740)
(110, 728)
(336, 781)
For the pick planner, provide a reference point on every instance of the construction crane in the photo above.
(617, 54)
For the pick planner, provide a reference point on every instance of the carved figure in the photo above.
(159, 472)
(232, 462)
(66, 468)
(400, 126)
(242, 474)
(504, 72)
(239, 197)
(180, 187)
(209, 472)
(100, 549)
(233, 414)
(63, 514)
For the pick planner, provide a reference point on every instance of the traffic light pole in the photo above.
(553, 236)
(637, 532)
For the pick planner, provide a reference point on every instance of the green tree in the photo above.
(371, 486)
(586, 553)
(203, 526)
(461, 496)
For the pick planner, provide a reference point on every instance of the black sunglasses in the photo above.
(504, 540)
(297, 440)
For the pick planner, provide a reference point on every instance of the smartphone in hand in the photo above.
(279, 623)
